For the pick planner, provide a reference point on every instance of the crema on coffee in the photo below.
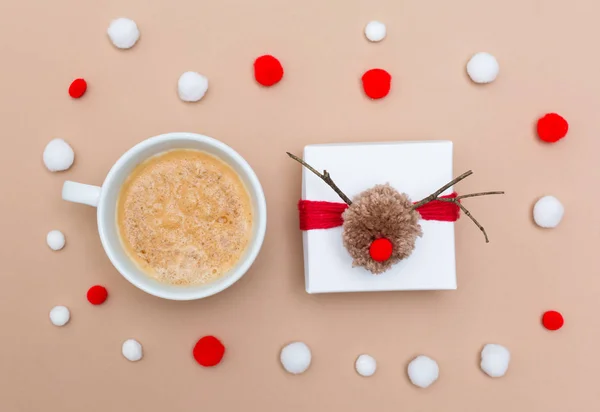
(185, 217)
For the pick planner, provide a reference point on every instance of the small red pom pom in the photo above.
(376, 83)
(381, 249)
(77, 88)
(267, 70)
(209, 351)
(552, 127)
(97, 295)
(553, 320)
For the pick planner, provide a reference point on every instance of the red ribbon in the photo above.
(326, 215)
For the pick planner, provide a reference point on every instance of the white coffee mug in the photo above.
(105, 199)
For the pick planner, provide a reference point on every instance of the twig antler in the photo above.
(456, 200)
(325, 176)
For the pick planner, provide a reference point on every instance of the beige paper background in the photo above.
(547, 53)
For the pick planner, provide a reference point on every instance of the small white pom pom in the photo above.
(192, 86)
(55, 239)
(423, 371)
(60, 315)
(495, 360)
(58, 155)
(132, 350)
(375, 31)
(296, 357)
(483, 68)
(548, 212)
(123, 33)
(366, 365)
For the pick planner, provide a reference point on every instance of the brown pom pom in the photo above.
(378, 212)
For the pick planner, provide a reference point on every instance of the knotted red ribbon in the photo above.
(326, 215)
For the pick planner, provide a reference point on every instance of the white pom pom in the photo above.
(58, 155)
(366, 365)
(423, 371)
(132, 350)
(55, 239)
(548, 212)
(60, 315)
(296, 357)
(495, 360)
(192, 86)
(375, 31)
(483, 68)
(123, 33)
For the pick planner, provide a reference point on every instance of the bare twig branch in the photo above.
(325, 176)
(464, 209)
(456, 201)
(438, 192)
(479, 194)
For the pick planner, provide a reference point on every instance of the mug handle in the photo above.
(81, 193)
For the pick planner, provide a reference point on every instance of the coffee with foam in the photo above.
(184, 217)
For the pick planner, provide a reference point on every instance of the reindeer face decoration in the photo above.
(381, 225)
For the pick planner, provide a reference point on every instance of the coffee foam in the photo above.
(185, 217)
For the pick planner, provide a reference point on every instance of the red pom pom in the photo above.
(553, 320)
(381, 249)
(209, 351)
(552, 127)
(77, 88)
(267, 70)
(377, 83)
(97, 295)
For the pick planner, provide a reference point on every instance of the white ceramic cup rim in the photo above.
(95, 196)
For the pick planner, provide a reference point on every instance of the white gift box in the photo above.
(415, 168)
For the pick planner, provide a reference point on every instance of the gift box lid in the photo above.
(414, 168)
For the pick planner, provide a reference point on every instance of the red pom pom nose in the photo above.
(381, 249)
